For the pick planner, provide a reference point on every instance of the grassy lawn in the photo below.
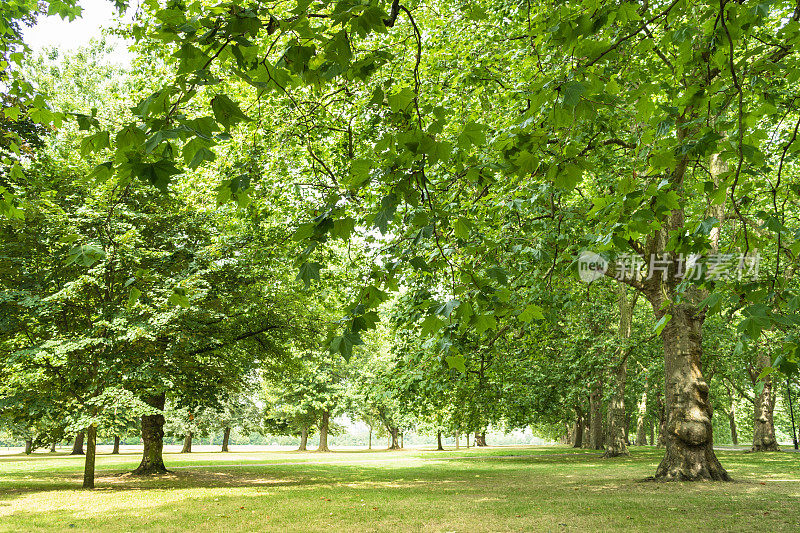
(495, 489)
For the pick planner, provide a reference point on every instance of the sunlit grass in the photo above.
(497, 489)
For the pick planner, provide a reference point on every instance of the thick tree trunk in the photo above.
(439, 446)
(595, 418)
(480, 438)
(153, 438)
(662, 422)
(689, 438)
(91, 449)
(732, 421)
(641, 435)
(28, 446)
(763, 410)
(323, 432)
(303, 440)
(53, 447)
(456, 437)
(393, 432)
(187, 443)
(115, 450)
(226, 438)
(77, 446)
(578, 431)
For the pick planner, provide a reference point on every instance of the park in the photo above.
(453, 265)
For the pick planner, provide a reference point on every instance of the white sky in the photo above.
(67, 36)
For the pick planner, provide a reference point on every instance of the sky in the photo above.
(67, 36)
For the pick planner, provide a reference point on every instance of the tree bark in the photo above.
(456, 439)
(187, 443)
(115, 451)
(153, 438)
(641, 435)
(763, 411)
(662, 422)
(578, 431)
(402, 435)
(480, 438)
(53, 447)
(689, 438)
(323, 432)
(369, 447)
(28, 446)
(732, 421)
(616, 444)
(393, 432)
(652, 433)
(303, 440)
(77, 446)
(91, 449)
(595, 418)
(226, 437)
(439, 446)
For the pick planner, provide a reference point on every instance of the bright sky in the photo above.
(67, 36)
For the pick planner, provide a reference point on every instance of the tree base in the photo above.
(766, 448)
(150, 470)
(696, 463)
(616, 453)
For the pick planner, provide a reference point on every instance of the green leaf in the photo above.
(484, 322)
(661, 324)
(572, 92)
(227, 111)
(457, 362)
(431, 324)
(531, 312)
(344, 344)
(179, 297)
(400, 100)
(133, 296)
(472, 134)
(308, 272)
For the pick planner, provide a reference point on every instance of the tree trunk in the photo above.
(115, 451)
(578, 431)
(466, 436)
(641, 435)
(456, 439)
(732, 421)
(616, 444)
(439, 446)
(323, 432)
(764, 408)
(662, 422)
(53, 447)
(402, 435)
(689, 439)
(153, 438)
(226, 437)
(187, 443)
(369, 447)
(303, 440)
(596, 418)
(28, 446)
(652, 433)
(393, 433)
(77, 446)
(91, 449)
(480, 438)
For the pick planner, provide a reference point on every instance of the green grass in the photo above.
(496, 489)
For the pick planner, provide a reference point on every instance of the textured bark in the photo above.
(763, 410)
(226, 438)
(456, 437)
(323, 432)
(578, 431)
(187, 443)
(115, 450)
(303, 440)
(732, 422)
(28, 446)
(439, 446)
(153, 438)
(53, 447)
(641, 430)
(595, 418)
(91, 449)
(480, 438)
(662, 422)
(402, 435)
(652, 433)
(77, 446)
(617, 442)
(688, 432)
(393, 445)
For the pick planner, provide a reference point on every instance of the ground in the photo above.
(495, 489)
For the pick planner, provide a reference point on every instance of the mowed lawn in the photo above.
(494, 489)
